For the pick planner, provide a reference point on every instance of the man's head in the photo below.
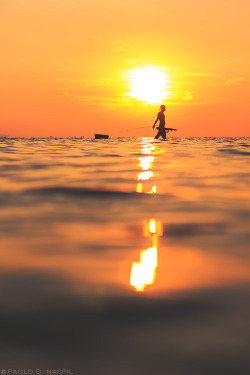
(163, 108)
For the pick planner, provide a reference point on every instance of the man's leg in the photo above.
(157, 135)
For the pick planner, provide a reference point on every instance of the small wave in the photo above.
(234, 152)
(75, 191)
(192, 229)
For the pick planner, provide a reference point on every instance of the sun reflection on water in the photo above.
(143, 272)
(146, 175)
(153, 190)
(146, 162)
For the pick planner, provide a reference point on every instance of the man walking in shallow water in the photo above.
(161, 128)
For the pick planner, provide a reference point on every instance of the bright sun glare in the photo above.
(148, 84)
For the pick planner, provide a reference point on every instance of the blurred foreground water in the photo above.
(75, 215)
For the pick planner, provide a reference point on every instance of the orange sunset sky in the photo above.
(72, 67)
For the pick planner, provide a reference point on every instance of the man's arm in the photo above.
(156, 121)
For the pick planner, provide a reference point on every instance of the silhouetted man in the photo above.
(161, 128)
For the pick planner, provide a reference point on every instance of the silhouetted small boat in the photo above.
(101, 136)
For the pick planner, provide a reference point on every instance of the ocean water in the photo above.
(75, 215)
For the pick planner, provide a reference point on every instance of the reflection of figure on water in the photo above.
(162, 130)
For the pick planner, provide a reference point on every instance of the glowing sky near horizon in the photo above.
(64, 65)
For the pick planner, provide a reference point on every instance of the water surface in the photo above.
(73, 214)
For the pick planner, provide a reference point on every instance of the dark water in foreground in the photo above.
(74, 215)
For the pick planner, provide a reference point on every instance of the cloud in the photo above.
(199, 74)
(233, 81)
(89, 100)
(95, 90)
(187, 96)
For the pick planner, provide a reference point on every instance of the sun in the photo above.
(148, 84)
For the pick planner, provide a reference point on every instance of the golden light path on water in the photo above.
(143, 272)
